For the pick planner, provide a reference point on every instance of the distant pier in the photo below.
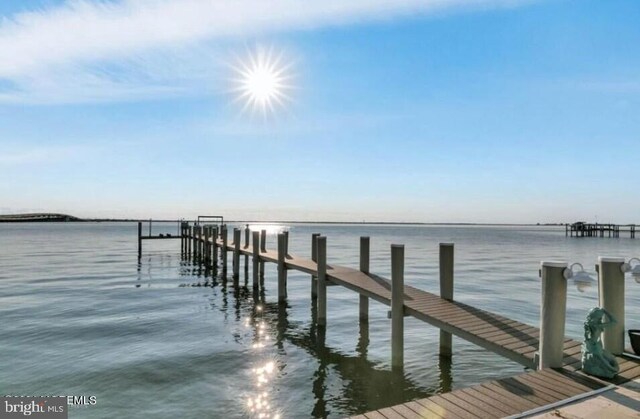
(582, 229)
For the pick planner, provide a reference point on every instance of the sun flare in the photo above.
(263, 81)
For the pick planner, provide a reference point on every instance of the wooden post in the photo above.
(223, 251)
(237, 234)
(397, 306)
(322, 280)
(611, 298)
(139, 240)
(286, 243)
(247, 233)
(181, 232)
(263, 240)
(446, 291)
(189, 234)
(282, 270)
(552, 314)
(263, 249)
(200, 243)
(214, 256)
(194, 239)
(314, 257)
(364, 267)
(196, 242)
(207, 252)
(256, 258)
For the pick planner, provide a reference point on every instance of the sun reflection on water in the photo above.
(258, 403)
(271, 229)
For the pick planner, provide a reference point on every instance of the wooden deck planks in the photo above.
(504, 397)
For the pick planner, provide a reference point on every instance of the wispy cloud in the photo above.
(61, 53)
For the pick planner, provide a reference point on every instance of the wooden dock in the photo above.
(523, 394)
(582, 229)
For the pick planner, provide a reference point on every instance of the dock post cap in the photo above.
(446, 244)
(553, 264)
(397, 246)
(610, 259)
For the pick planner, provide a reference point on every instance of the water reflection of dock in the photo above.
(557, 362)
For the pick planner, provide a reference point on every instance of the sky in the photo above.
(488, 111)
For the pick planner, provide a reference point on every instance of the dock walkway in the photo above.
(512, 339)
(526, 393)
(518, 396)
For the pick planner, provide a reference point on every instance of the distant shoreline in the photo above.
(51, 217)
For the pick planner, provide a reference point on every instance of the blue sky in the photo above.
(409, 110)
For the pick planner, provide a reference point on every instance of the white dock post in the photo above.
(397, 306)
(446, 291)
(322, 280)
(364, 267)
(263, 249)
(223, 251)
(282, 270)
(314, 257)
(552, 314)
(611, 298)
(256, 257)
(237, 235)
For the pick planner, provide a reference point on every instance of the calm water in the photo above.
(163, 339)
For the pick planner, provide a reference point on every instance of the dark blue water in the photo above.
(163, 339)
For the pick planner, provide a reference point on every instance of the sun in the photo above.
(263, 81)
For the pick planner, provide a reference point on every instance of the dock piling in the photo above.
(263, 249)
(207, 250)
(223, 251)
(321, 252)
(282, 270)
(189, 235)
(139, 240)
(611, 298)
(214, 251)
(314, 257)
(256, 257)
(397, 306)
(552, 314)
(286, 242)
(237, 234)
(247, 234)
(446, 291)
(364, 267)
(195, 241)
